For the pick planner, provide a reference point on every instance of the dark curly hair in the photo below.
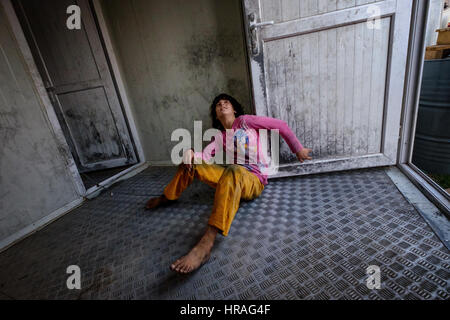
(236, 106)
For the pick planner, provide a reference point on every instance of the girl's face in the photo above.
(224, 107)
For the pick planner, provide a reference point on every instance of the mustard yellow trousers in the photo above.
(231, 183)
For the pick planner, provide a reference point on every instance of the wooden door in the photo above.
(334, 74)
(76, 74)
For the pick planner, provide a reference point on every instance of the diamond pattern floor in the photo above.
(308, 237)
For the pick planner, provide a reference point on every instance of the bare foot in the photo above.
(198, 255)
(194, 259)
(156, 202)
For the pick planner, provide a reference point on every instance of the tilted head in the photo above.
(224, 104)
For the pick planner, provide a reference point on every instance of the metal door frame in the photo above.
(415, 63)
(49, 110)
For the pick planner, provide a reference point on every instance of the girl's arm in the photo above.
(260, 122)
(208, 152)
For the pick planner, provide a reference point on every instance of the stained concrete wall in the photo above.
(34, 180)
(175, 57)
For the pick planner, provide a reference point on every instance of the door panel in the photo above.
(66, 53)
(87, 123)
(286, 10)
(329, 87)
(77, 77)
(332, 76)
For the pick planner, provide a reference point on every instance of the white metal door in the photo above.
(334, 73)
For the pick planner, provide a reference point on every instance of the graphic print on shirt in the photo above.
(246, 144)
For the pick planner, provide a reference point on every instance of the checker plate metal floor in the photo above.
(308, 237)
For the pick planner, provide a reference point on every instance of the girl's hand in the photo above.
(188, 158)
(303, 154)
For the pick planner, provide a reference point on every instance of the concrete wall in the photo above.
(34, 180)
(175, 57)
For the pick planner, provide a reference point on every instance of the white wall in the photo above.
(434, 21)
(175, 56)
(34, 179)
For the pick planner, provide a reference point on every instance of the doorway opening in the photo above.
(424, 144)
(77, 75)
(431, 153)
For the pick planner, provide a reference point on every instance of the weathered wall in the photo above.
(175, 57)
(34, 180)
(434, 21)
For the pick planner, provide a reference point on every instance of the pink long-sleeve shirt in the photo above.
(244, 146)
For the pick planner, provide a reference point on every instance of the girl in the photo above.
(244, 179)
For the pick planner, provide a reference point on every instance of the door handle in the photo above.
(261, 24)
(253, 26)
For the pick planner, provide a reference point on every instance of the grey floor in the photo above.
(309, 237)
